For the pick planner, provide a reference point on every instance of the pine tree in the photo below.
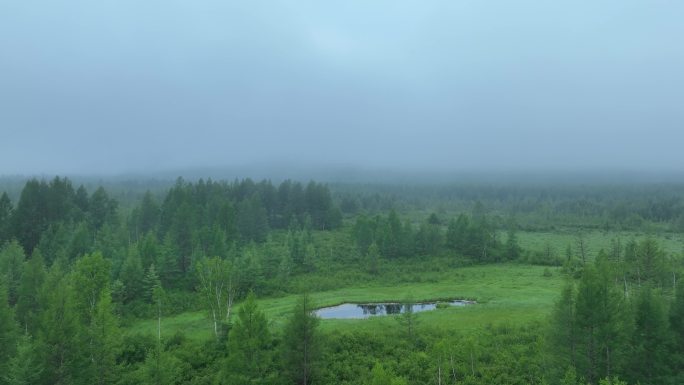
(100, 343)
(132, 276)
(150, 281)
(148, 214)
(650, 340)
(301, 343)
(563, 333)
(29, 219)
(600, 315)
(29, 306)
(11, 265)
(148, 250)
(6, 210)
(248, 348)
(59, 331)
(8, 330)
(24, 367)
(160, 368)
(677, 328)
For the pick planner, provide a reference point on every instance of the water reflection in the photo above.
(365, 310)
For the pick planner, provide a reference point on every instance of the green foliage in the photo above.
(8, 330)
(600, 318)
(301, 345)
(650, 344)
(59, 331)
(676, 318)
(279, 241)
(132, 275)
(380, 376)
(408, 319)
(373, 258)
(563, 333)
(249, 348)
(6, 210)
(29, 305)
(11, 266)
(216, 286)
(160, 368)
(24, 368)
(102, 340)
(91, 276)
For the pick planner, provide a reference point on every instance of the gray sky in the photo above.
(113, 86)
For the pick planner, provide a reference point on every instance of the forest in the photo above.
(219, 282)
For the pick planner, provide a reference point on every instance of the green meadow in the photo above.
(505, 294)
(558, 240)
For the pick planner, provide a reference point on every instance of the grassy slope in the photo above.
(511, 294)
(507, 293)
(673, 244)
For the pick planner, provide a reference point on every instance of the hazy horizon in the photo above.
(439, 88)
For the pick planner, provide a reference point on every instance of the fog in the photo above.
(123, 86)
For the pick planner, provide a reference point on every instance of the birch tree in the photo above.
(217, 288)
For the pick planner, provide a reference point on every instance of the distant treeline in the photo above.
(633, 207)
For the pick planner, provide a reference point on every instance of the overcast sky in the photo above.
(112, 86)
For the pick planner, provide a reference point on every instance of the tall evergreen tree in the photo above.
(249, 357)
(148, 214)
(102, 208)
(25, 367)
(29, 218)
(132, 276)
(563, 333)
(301, 343)
(677, 328)
(600, 314)
(101, 344)
(11, 266)
(6, 210)
(59, 332)
(650, 341)
(160, 368)
(8, 330)
(29, 305)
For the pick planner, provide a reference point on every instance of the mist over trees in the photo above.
(80, 272)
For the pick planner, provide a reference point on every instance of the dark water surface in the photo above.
(365, 310)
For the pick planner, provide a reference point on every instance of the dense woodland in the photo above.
(79, 267)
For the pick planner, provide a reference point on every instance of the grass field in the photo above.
(510, 294)
(673, 244)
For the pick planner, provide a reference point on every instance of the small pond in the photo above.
(365, 310)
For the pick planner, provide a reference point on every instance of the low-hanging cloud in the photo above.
(116, 86)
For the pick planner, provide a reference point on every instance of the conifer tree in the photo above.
(6, 210)
(59, 332)
(248, 347)
(8, 330)
(563, 333)
(24, 368)
(301, 343)
(11, 266)
(650, 341)
(29, 305)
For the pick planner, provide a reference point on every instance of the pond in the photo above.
(365, 310)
